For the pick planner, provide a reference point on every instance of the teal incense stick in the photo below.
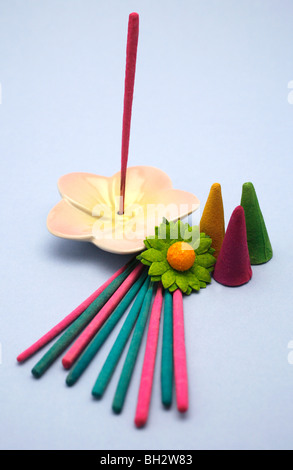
(131, 357)
(69, 319)
(79, 324)
(167, 368)
(96, 343)
(120, 343)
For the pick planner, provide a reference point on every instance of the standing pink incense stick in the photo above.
(131, 53)
(86, 336)
(180, 365)
(68, 319)
(146, 381)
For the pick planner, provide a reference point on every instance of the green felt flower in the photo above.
(179, 256)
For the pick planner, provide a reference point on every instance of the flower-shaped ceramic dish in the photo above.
(89, 208)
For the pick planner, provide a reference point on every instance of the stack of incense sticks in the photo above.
(87, 328)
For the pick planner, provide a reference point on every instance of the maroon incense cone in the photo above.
(233, 264)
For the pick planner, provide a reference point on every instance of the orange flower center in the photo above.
(181, 256)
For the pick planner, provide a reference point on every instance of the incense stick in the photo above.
(57, 329)
(167, 368)
(96, 343)
(180, 366)
(78, 325)
(131, 357)
(146, 381)
(131, 53)
(97, 322)
(120, 343)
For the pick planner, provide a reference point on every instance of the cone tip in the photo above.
(216, 187)
(134, 16)
(247, 187)
(237, 221)
(238, 211)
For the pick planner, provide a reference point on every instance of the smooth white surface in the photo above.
(211, 105)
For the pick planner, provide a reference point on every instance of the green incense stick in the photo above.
(79, 324)
(167, 351)
(94, 346)
(131, 357)
(120, 343)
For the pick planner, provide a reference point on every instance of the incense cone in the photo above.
(233, 263)
(212, 221)
(259, 245)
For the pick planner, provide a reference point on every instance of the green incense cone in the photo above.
(259, 245)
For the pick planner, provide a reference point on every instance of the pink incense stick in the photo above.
(180, 366)
(131, 53)
(146, 381)
(68, 319)
(90, 331)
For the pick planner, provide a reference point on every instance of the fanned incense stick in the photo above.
(120, 343)
(131, 53)
(94, 346)
(97, 322)
(180, 366)
(146, 381)
(79, 324)
(167, 368)
(57, 329)
(131, 357)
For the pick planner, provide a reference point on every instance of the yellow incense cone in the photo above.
(212, 221)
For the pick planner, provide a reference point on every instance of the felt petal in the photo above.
(168, 278)
(153, 255)
(66, 221)
(159, 267)
(182, 282)
(85, 190)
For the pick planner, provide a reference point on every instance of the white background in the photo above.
(211, 105)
